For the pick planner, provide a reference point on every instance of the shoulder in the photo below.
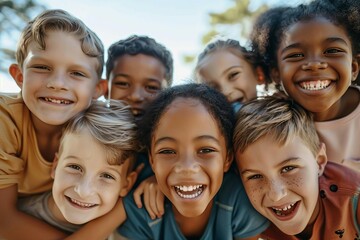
(138, 224)
(337, 175)
(231, 190)
(11, 105)
(234, 209)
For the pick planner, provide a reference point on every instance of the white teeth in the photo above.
(279, 211)
(188, 188)
(57, 101)
(183, 191)
(315, 85)
(81, 204)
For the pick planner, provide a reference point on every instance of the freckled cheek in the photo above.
(255, 193)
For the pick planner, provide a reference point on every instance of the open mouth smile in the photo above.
(80, 204)
(286, 210)
(315, 85)
(190, 191)
(57, 101)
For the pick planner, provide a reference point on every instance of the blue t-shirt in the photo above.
(232, 216)
(146, 172)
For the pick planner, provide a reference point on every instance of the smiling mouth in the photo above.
(189, 191)
(80, 204)
(57, 101)
(285, 211)
(315, 85)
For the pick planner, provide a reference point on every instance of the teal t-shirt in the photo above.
(232, 216)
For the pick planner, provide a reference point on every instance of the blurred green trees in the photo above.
(14, 15)
(236, 19)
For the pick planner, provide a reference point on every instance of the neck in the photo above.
(343, 107)
(55, 211)
(193, 227)
(48, 138)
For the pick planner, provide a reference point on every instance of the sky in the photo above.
(178, 24)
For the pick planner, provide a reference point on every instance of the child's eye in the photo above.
(333, 50)
(153, 88)
(41, 67)
(79, 74)
(108, 176)
(233, 75)
(206, 150)
(294, 55)
(166, 151)
(287, 169)
(74, 167)
(255, 176)
(121, 84)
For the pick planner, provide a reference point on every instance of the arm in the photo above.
(103, 226)
(15, 224)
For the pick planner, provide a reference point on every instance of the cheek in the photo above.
(119, 93)
(254, 192)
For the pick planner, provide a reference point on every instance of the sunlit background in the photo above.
(183, 26)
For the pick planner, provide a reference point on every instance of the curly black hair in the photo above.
(134, 45)
(270, 26)
(215, 102)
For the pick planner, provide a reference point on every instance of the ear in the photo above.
(107, 90)
(101, 88)
(151, 160)
(321, 158)
(16, 73)
(275, 75)
(130, 180)
(260, 75)
(228, 161)
(54, 165)
(355, 68)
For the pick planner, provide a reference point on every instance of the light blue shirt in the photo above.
(232, 216)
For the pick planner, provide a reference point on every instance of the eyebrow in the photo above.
(286, 161)
(71, 157)
(202, 137)
(330, 40)
(73, 65)
(128, 76)
(336, 39)
(295, 45)
(231, 67)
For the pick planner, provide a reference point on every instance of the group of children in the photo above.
(209, 160)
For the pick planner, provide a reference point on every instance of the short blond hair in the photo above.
(112, 125)
(59, 20)
(280, 118)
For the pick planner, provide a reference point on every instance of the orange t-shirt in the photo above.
(20, 159)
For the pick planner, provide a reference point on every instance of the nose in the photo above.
(277, 190)
(137, 94)
(314, 65)
(57, 81)
(84, 187)
(187, 165)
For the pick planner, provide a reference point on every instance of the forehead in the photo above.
(221, 56)
(139, 60)
(62, 48)
(316, 29)
(82, 144)
(186, 116)
(267, 152)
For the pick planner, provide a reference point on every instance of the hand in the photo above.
(153, 197)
